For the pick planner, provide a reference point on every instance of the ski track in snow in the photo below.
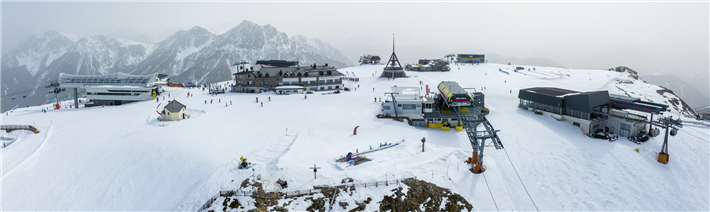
(49, 133)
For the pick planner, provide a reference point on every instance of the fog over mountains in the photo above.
(194, 55)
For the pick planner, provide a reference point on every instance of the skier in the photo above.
(305, 96)
(262, 104)
(205, 101)
(375, 99)
(210, 101)
(230, 102)
(225, 104)
(157, 99)
(257, 99)
(269, 99)
(220, 99)
(380, 99)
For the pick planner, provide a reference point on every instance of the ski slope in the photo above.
(121, 158)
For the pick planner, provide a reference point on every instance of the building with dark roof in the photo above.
(174, 111)
(590, 111)
(312, 78)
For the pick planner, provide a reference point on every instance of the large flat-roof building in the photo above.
(471, 58)
(312, 78)
(114, 89)
(590, 111)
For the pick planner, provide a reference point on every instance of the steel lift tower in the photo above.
(478, 137)
(472, 117)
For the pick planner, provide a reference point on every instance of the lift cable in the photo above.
(489, 191)
(521, 181)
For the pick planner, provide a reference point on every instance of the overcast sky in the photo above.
(564, 32)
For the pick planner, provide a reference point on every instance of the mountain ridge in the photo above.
(191, 55)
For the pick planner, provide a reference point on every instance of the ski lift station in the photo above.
(114, 89)
(592, 112)
(452, 106)
(431, 110)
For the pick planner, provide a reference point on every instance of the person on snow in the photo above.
(375, 99)
(210, 101)
(205, 101)
(230, 102)
(269, 99)
(220, 99)
(257, 99)
(262, 104)
(305, 96)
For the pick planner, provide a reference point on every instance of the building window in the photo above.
(321, 81)
(329, 81)
(330, 87)
(399, 105)
(625, 126)
(321, 88)
(313, 82)
(386, 107)
(287, 83)
(408, 106)
(336, 80)
(305, 82)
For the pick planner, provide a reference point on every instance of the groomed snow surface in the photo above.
(121, 158)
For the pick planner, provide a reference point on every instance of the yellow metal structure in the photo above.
(663, 158)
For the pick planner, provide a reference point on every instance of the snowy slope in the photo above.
(120, 158)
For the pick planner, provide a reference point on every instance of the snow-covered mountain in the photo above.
(194, 55)
(200, 56)
(30, 67)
